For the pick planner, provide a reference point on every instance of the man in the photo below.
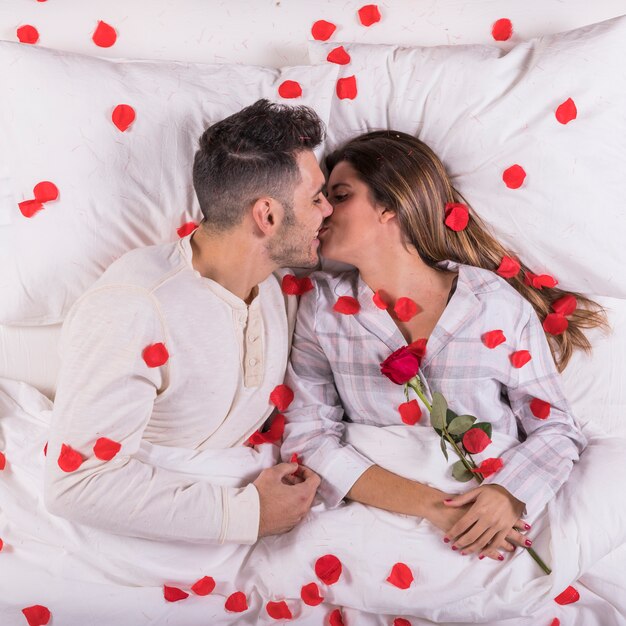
(181, 345)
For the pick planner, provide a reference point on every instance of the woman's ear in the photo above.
(386, 214)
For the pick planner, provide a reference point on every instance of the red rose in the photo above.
(400, 366)
(475, 440)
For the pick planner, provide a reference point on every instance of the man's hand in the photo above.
(284, 504)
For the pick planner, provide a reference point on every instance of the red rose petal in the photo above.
(155, 355)
(281, 397)
(45, 191)
(401, 576)
(204, 586)
(369, 14)
(508, 268)
(174, 594)
(236, 602)
(569, 596)
(493, 338)
(336, 618)
(346, 88)
(514, 176)
(545, 280)
(104, 35)
(310, 594)
(28, 208)
(400, 621)
(3, 461)
(294, 459)
(1, 545)
(519, 358)
(540, 408)
(347, 305)
(418, 348)
(502, 29)
(290, 89)
(379, 300)
(328, 569)
(410, 412)
(105, 449)
(123, 116)
(69, 459)
(36, 615)
(406, 309)
(278, 610)
(294, 286)
(45, 449)
(276, 429)
(27, 34)
(555, 324)
(565, 305)
(555, 622)
(457, 216)
(566, 111)
(489, 467)
(186, 229)
(322, 30)
(475, 440)
(339, 55)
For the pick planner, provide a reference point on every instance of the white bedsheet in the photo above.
(85, 576)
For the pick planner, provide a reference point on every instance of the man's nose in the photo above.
(327, 207)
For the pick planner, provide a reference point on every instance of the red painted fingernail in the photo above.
(528, 543)
(481, 557)
(500, 557)
(527, 526)
(463, 554)
(446, 540)
(454, 548)
(448, 500)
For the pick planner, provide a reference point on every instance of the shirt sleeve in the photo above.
(534, 470)
(314, 428)
(107, 390)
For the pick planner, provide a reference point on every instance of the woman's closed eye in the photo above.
(338, 197)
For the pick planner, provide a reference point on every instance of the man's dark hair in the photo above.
(250, 154)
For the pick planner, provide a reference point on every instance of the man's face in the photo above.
(296, 243)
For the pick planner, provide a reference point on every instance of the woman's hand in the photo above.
(488, 525)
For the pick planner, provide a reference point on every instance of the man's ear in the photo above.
(265, 212)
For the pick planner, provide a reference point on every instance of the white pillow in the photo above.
(484, 110)
(117, 190)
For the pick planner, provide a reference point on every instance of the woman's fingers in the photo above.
(516, 538)
(475, 540)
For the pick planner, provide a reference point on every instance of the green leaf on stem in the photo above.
(461, 424)
(485, 426)
(438, 411)
(461, 473)
(444, 448)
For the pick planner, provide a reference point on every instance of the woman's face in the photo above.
(351, 231)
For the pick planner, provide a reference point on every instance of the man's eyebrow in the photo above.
(319, 191)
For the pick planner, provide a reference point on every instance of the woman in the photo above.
(391, 197)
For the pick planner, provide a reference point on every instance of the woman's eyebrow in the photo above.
(339, 185)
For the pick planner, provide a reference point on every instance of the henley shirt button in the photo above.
(252, 362)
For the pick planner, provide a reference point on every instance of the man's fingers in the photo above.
(284, 469)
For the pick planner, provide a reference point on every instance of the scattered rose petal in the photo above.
(45, 191)
(3, 461)
(566, 111)
(519, 358)
(69, 459)
(278, 610)
(45, 449)
(565, 305)
(529, 277)
(488, 467)
(379, 300)
(204, 586)
(310, 594)
(418, 348)
(104, 35)
(290, 89)
(475, 440)
(339, 55)
(401, 576)
(336, 618)
(28, 208)
(36, 615)
(186, 229)
(493, 338)
(236, 602)
(272, 435)
(400, 621)
(323, 30)
(105, 449)
(540, 408)
(410, 412)
(328, 569)
(294, 459)
(457, 216)
(347, 305)
(508, 268)
(569, 596)
(123, 116)
(514, 176)
(369, 14)
(1, 545)
(502, 29)
(155, 355)
(27, 34)
(346, 88)
(281, 397)
(174, 594)
(555, 324)
(555, 622)
(539, 280)
(406, 309)
(294, 286)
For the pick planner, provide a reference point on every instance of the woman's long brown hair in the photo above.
(404, 175)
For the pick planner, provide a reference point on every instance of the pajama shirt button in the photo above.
(252, 362)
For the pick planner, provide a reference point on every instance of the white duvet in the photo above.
(86, 576)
